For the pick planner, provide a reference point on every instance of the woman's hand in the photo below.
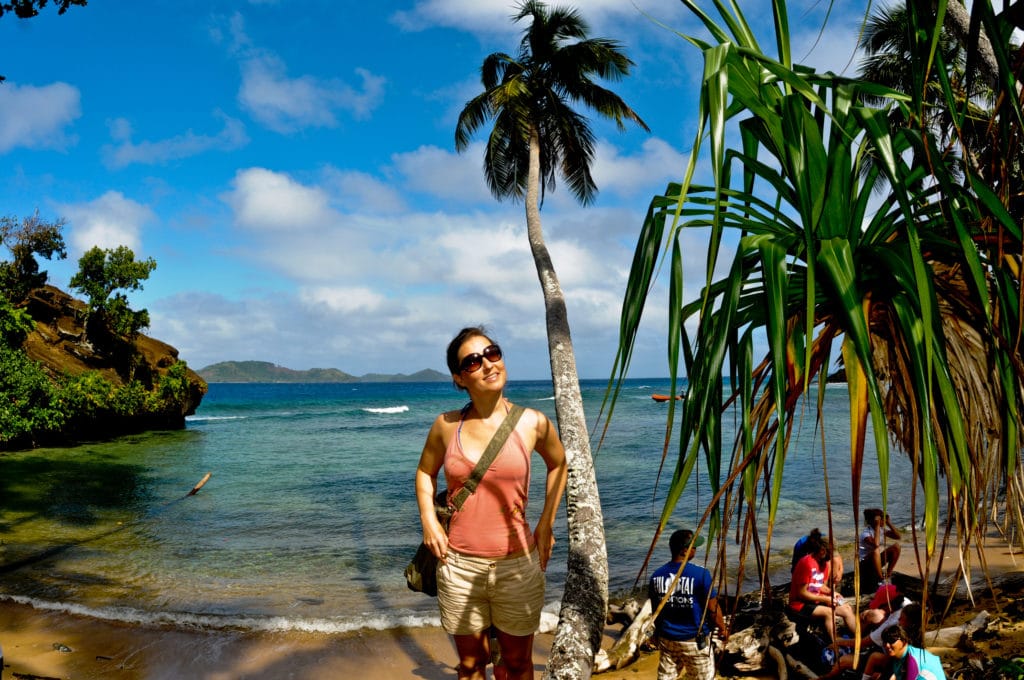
(436, 540)
(544, 537)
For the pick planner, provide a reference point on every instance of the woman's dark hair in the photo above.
(452, 355)
(814, 545)
(894, 633)
(911, 616)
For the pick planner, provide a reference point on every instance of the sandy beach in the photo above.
(45, 644)
(36, 643)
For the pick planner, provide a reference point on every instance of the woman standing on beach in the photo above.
(491, 570)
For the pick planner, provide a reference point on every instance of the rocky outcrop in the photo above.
(60, 344)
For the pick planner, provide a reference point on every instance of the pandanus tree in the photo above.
(538, 136)
(857, 242)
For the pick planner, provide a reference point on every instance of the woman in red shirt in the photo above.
(810, 592)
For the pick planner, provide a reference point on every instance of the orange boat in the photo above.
(664, 397)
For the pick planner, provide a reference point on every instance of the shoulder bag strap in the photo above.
(489, 454)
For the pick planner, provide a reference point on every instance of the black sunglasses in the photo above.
(473, 362)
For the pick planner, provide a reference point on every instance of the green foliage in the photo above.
(29, 407)
(87, 396)
(90, 396)
(33, 236)
(171, 389)
(37, 408)
(15, 324)
(916, 291)
(101, 272)
(124, 320)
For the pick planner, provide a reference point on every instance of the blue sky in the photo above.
(291, 168)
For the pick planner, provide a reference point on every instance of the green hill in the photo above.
(266, 372)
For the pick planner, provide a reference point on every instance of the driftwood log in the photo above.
(956, 636)
(199, 484)
(627, 648)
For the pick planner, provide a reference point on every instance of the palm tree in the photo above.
(919, 297)
(536, 137)
(967, 124)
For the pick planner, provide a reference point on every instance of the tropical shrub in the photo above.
(28, 407)
(15, 324)
(843, 234)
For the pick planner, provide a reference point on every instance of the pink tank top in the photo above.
(492, 521)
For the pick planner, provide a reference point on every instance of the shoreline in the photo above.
(57, 644)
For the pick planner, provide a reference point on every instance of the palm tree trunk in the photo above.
(958, 22)
(585, 600)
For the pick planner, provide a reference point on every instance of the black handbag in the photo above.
(421, 572)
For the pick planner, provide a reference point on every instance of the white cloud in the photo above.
(264, 200)
(445, 174)
(286, 104)
(107, 222)
(834, 50)
(126, 152)
(35, 117)
(361, 191)
(346, 300)
(647, 172)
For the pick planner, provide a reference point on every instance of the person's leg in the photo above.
(516, 600)
(845, 662)
(465, 612)
(497, 661)
(516, 655)
(846, 613)
(474, 655)
(876, 662)
(828, 621)
(891, 556)
(667, 667)
(869, 576)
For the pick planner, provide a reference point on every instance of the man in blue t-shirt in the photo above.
(683, 626)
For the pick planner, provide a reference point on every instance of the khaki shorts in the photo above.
(475, 593)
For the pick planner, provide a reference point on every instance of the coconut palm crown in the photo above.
(533, 93)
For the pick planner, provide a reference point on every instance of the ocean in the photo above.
(310, 516)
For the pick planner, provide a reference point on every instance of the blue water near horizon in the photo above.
(310, 517)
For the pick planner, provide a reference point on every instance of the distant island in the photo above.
(266, 372)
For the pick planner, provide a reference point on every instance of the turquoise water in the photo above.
(310, 516)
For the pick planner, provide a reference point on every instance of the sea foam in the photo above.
(265, 624)
(387, 409)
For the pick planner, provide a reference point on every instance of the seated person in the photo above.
(907, 662)
(872, 652)
(885, 598)
(877, 562)
(811, 595)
